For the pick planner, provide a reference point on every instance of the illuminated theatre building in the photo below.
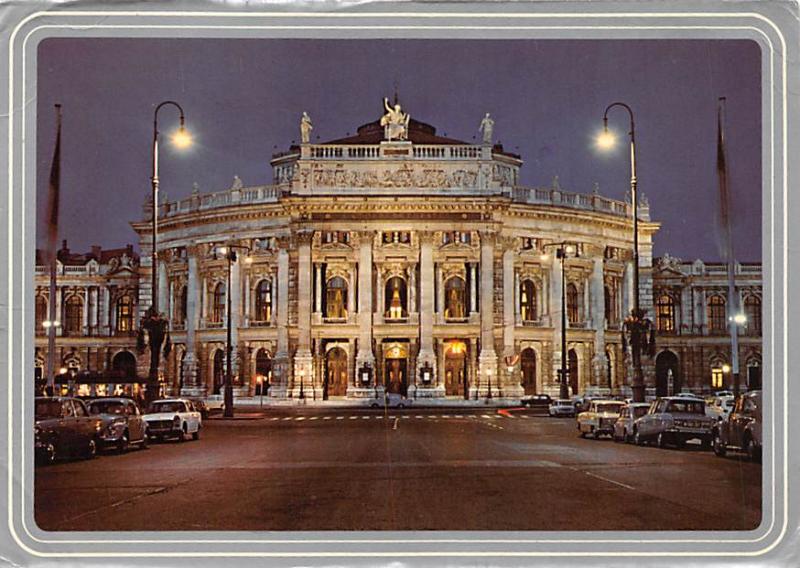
(400, 261)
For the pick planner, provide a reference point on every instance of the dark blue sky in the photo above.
(243, 100)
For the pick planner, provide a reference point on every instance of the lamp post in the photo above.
(260, 381)
(489, 385)
(636, 326)
(52, 327)
(229, 252)
(155, 323)
(302, 395)
(563, 249)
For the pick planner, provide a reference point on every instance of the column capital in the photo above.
(283, 241)
(508, 243)
(364, 237)
(488, 236)
(304, 237)
(196, 250)
(426, 237)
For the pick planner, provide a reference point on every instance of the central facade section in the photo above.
(397, 261)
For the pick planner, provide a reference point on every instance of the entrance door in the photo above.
(572, 359)
(336, 372)
(455, 369)
(528, 362)
(666, 363)
(219, 370)
(396, 377)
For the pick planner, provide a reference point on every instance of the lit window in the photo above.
(717, 378)
(665, 313)
(527, 300)
(125, 314)
(218, 307)
(455, 291)
(572, 304)
(336, 296)
(263, 301)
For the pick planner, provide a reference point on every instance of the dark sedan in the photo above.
(64, 428)
(123, 424)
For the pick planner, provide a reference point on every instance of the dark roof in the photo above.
(418, 133)
(68, 258)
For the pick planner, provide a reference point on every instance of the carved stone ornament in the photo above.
(404, 176)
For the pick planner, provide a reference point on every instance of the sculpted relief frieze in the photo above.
(404, 176)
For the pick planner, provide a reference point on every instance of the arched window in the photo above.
(73, 315)
(752, 310)
(125, 314)
(455, 298)
(396, 298)
(716, 314)
(218, 306)
(527, 301)
(183, 305)
(336, 298)
(263, 301)
(124, 364)
(41, 312)
(573, 312)
(665, 314)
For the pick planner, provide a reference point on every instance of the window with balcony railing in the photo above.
(396, 237)
(463, 237)
(665, 314)
(333, 237)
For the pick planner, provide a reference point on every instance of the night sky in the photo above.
(243, 100)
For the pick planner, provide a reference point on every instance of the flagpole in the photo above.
(722, 169)
(52, 233)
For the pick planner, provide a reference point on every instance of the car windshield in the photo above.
(106, 407)
(639, 411)
(610, 407)
(48, 409)
(173, 406)
(687, 406)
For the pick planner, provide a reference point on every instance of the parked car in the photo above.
(123, 423)
(674, 420)
(390, 400)
(200, 405)
(599, 418)
(64, 428)
(623, 427)
(742, 429)
(536, 400)
(720, 407)
(215, 403)
(561, 407)
(173, 418)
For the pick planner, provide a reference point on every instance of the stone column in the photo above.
(510, 385)
(95, 294)
(412, 289)
(473, 288)
(85, 314)
(488, 355)
(440, 306)
(303, 359)
(281, 368)
(273, 290)
(59, 310)
(364, 356)
(163, 302)
(106, 311)
(380, 303)
(171, 311)
(203, 311)
(248, 305)
(426, 356)
(191, 386)
(598, 319)
(318, 288)
(351, 294)
(518, 299)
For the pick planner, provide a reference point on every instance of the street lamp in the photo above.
(563, 250)
(154, 322)
(637, 326)
(260, 381)
(229, 252)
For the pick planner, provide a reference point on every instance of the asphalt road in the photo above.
(399, 470)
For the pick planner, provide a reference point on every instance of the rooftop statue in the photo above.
(394, 122)
(305, 128)
(487, 127)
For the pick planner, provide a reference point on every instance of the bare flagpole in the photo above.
(725, 217)
(52, 244)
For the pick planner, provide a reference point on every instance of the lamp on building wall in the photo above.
(154, 322)
(229, 253)
(563, 250)
(636, 326)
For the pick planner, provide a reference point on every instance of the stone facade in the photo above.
(416, 267)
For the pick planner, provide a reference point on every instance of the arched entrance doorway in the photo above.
(219, 370)
(528, 364)
(335, 373)
(572, 361)
(396, 369)
(455, 369)
(263, 372)
(124, 365)
(666, 363)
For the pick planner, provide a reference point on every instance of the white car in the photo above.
(721, 407)
(173, 418)
(215, 402)
(599, 418)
